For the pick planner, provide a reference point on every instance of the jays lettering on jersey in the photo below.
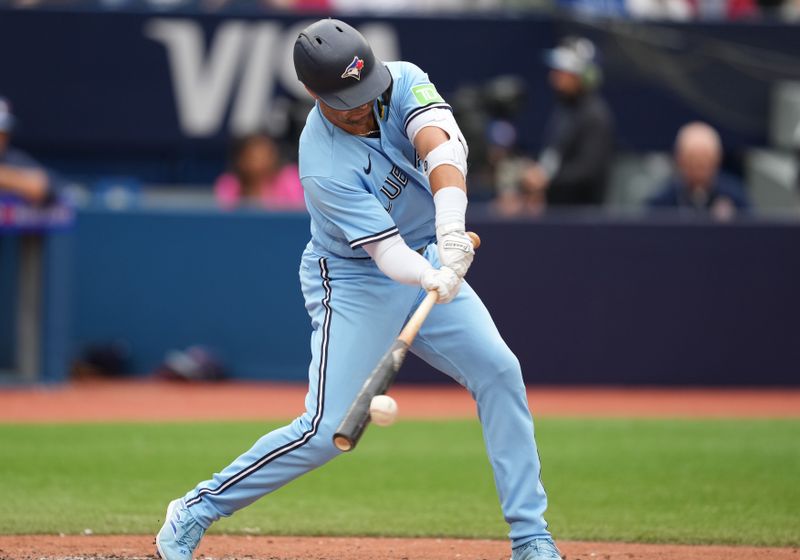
(360, 190)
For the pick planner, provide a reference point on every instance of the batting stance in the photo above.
(383, 165)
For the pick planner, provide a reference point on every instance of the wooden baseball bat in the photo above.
(381, 378)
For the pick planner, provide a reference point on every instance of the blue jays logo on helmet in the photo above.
(353, 69)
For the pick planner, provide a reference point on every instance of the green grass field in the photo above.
(731, 481)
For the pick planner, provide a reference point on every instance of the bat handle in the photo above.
(411, 329)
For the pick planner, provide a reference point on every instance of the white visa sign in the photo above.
(239, 70)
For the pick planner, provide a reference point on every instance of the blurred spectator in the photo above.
(20, 175)
(258, 176)
(668, 9)
(578, 146)
(660, 9)
(593, 8)
(348, 7)
(298, 6)
(790, 10)
(698, 183)
(724, 9)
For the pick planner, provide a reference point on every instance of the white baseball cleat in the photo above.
(180, 534)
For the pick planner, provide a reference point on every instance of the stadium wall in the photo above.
(140, 94)
(579, 299)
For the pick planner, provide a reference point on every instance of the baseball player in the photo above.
(383, 166)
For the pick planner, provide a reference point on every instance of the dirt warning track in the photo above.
(163, 401)
(326, 548)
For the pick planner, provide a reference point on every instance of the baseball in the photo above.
(383, 410)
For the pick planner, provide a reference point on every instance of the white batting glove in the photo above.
(442, 280)
(455, 248)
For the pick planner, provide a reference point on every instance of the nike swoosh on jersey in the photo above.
(368, 168)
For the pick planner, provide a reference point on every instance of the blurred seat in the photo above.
(635, 178)
(772, 177)
(116, 192)
(772, 173)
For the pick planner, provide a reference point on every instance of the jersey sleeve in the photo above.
(353, 210)
(416, 95)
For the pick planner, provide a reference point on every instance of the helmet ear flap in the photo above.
(384, 100)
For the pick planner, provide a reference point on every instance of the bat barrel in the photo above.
(379, 381)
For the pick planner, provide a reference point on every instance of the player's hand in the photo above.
(442, 280)
(455, 248)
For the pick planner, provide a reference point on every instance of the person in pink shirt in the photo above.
(258, 177)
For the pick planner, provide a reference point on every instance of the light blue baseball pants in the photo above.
(356, 313)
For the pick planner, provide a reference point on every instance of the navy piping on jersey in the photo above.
(372, 238)
(421, 110)
(315, 422)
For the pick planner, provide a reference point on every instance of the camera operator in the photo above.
(578, 146)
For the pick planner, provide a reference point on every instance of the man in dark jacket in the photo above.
(698, 184)
(579, 139)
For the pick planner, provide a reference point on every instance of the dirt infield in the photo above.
(152, 401)
(325, 548)
(162, 401)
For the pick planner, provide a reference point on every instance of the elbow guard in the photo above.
(452, 152)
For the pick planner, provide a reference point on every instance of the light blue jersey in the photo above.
(360, 190)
